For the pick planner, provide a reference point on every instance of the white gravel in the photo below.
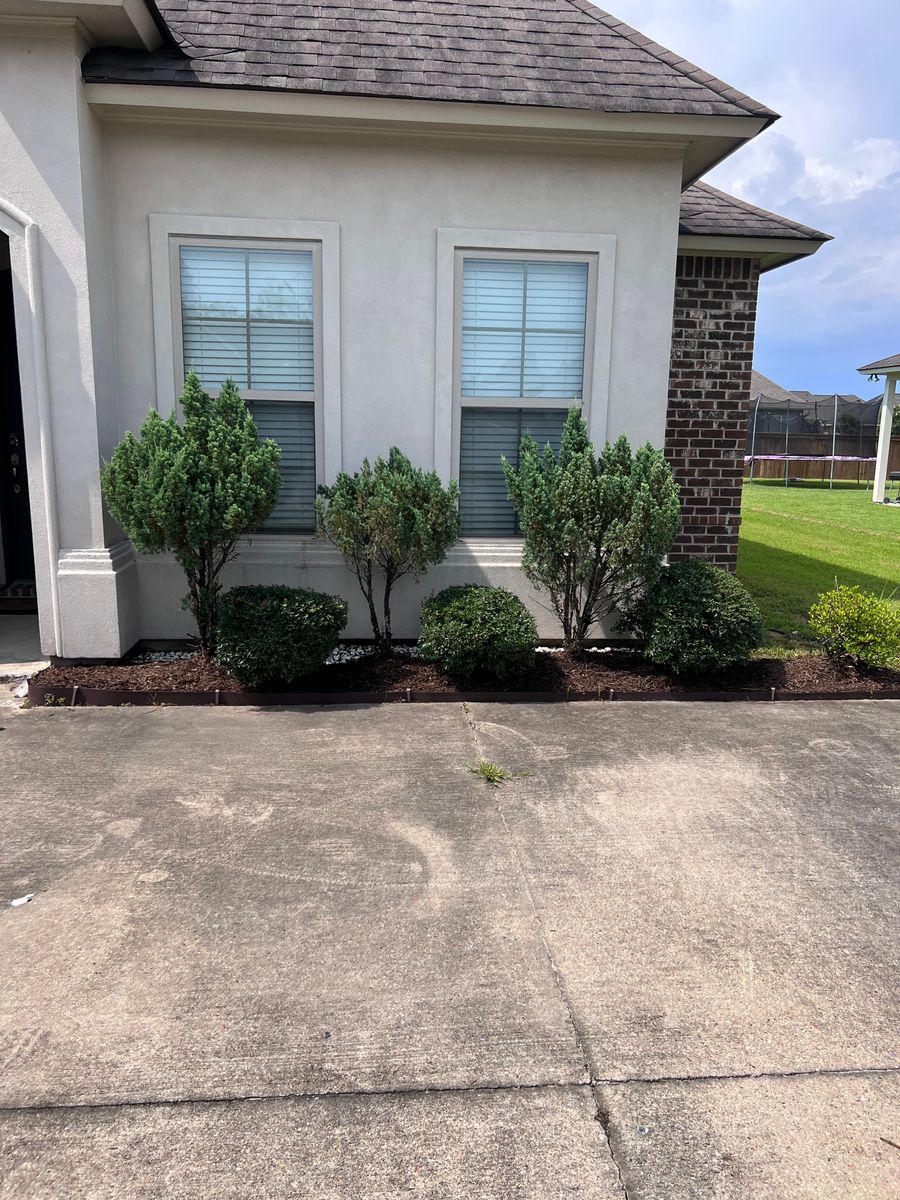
(346, 652)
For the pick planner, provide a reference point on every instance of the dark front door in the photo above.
(15, 515)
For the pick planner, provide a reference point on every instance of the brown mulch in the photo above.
(622, 670)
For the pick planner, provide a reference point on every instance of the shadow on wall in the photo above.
(312, 563)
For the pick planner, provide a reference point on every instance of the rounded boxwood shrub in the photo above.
(276, 634)
(699, 619)
(478, 632)
(856, 626)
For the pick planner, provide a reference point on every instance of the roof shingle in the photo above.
(706, 210)
(883, 364)
(554, 53)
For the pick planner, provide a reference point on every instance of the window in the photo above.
(486, 435)
(523, 328)
(522, 332)
(248, 313)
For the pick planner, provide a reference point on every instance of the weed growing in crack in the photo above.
(492, 775)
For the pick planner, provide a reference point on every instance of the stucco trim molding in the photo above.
(28, 303)
(307, 550)
(600, 246)
(94, 560)
(165, 226)
(102, 581)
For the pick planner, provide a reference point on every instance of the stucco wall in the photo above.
(51, 206)
(389, 201)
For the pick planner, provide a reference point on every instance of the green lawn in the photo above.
(796, 541)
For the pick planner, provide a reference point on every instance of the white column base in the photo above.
(98, 601)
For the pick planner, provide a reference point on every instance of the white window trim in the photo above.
(598, 250)
(168, 231)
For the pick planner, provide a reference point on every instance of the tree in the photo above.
(391, 518)
(193, 489)
(596, 528)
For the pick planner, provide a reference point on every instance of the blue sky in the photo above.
(832, 161)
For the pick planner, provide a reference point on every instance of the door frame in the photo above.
(24, 251)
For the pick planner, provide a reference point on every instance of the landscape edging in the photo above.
(78, 696)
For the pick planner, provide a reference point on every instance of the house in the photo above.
(422, 222)
(774, 409)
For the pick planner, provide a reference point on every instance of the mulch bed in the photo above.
(618, 674)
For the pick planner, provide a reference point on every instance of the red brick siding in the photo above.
(709, 399)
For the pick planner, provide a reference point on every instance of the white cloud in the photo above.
(832, 161)
(774, 169)
(861, 167)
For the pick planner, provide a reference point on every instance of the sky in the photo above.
(833, 162)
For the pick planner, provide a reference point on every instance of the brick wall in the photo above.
(709, 399)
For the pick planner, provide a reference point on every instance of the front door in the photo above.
(15, 515)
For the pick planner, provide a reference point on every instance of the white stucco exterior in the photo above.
(93, 181)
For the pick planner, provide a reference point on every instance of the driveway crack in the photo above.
(600, 1114)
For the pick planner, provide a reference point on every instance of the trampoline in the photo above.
(824, 459)
(836, 431)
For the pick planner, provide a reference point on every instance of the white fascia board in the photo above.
(772, 252)
(884, 373)
(573, 128)
(104, 22)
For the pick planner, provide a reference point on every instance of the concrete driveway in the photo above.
(306, 953)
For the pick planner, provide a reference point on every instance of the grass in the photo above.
(799, 541)
(492, 775)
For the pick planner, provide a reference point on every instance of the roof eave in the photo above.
(771, 252)
(697, 139)
(883, 367)
(135, 24)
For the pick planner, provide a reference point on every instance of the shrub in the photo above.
(277, 634)
(194, 489)
(596, 529)
(857, 627)
(699, 618)
(390, 517)
(478, 632)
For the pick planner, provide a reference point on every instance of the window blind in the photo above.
(248, 315)
(486, 434)
(291, 424)
(523, 328)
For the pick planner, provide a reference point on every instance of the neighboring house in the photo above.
(422, 223)
(774, 409)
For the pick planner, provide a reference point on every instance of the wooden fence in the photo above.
(813, 443)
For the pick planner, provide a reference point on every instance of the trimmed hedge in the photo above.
(276, 634)
(478, 633)
(856, 626)
(699, 619)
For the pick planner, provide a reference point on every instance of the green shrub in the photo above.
(391, 518)
(698, 619)
(478, 632)
(596, 527)
(277, 634)
(857, 627)
(194, 489)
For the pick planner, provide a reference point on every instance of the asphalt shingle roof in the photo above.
(883, 364)
(706, 210)
(761, 385)
(556, 53)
